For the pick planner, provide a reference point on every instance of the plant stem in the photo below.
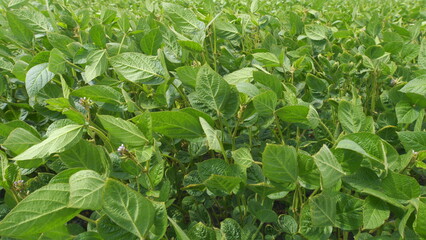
(280, 132)
(257, 231)
(328, 131)
(89, 220)
(103, 138)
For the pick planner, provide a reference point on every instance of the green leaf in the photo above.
(222, 183)
(86, 155)
(214, 95)
(213, 136)
(188, 75)
(416, 90)
(242, 157)
(317, 32)
(20, 140)
(330, 169)
(176, 124)
(280, 163)
(109, 230)
(96, 65)
(349, 212)
(323, 209)
(375, 213)
(37, 77)
(265, 103)
(100, 93)
(140, 68)
(307, 229)
(34, 20)
(351, 116)
(420, 222)
(288, 224)
(413, 140)
(41, 211)
(58, 141)
(267, 59)
(151, 42)
(86, 189)
(406, 113)
(181, 235)
(21, 32)
(97, 35)
(269, 81)
(185, 21)
(400, 186)
(125, 131)
(127, 208)
(421, 60)
(316, 84)
(230, 229)
(306, 115)
(240, 76)
(57, 62)
(371, 146)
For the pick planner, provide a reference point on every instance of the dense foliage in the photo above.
(212, 119)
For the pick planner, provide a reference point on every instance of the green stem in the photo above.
(257, 231)
(185, 99)
(328, 131)
(103, 138)
(89, 220)
(280, 132)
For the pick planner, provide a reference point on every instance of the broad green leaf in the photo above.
(214, 137)
(406, 113)
(86, 189)
(176, 124)
(127, 208)
(288, 224)
(375, 213)
(420, 222)
(317, 32)
(20, 140)
(37, 77)
(400, 186)
(349, 211)
(185, 21)
(240, 76)
(280, 163)
(351, 116)
(188, 75)
(315, 83)
(416, 90)
(265, 103)
(323, 209)
(123, 130)
(96, 65)
(267, 59)
(100, 93)
(21, 32)
(58, 141)
(366, 181)
(299, 114)
(226, 30)
(222, 183)
(97, 35)
(109, 230)
(34, 20)
(60, 42)
(214, 95)
(137, 67)
(86, 155)
(41, 211)
(413, 140)
(269, 81)
(210, 167)
(160, 225)
(307, 229)
(371, 146)
(230, 229)
(330, 169)
(242, 157)
(57, 62)
(151, 42)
